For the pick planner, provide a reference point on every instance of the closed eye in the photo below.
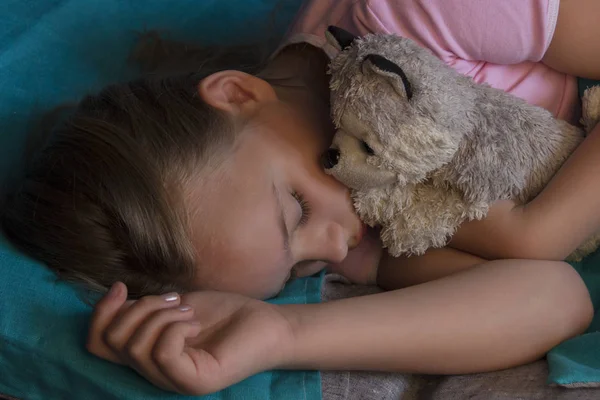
(304, 207)
(367, 148)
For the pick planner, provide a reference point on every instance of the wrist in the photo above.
(277, 327)
(289, 349)
(302, 349)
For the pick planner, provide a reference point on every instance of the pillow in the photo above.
(53, 52)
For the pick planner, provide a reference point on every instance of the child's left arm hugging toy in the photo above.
(426, 151)
(567, 211)
(550, 226)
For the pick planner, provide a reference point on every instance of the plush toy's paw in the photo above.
(591, 108)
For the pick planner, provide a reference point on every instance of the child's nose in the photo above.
(333, 243)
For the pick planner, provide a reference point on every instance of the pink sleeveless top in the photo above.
(499, 42)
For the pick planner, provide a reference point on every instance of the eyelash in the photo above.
(304, 206)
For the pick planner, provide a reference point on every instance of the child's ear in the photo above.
(235, 92)
(339, 38)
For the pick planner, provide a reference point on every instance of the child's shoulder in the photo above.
(468, 28)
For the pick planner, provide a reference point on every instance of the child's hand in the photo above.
(211, 341)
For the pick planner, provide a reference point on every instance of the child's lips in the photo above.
(359, 236)
(360, 266)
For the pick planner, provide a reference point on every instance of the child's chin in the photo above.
(360, 266)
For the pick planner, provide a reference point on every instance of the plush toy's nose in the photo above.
(330, 158)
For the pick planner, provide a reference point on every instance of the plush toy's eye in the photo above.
(367, 148)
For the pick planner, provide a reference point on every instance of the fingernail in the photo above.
(185, 308)
(169, 297)
(195, 323)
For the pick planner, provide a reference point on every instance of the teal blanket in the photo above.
(576, 362)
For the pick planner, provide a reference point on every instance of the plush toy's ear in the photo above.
(339, 38)
(384, 66)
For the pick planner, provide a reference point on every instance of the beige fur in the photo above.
(424, 148)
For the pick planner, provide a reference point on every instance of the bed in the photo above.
(52, 52)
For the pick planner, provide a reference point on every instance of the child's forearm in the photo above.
(568, 209)
(400, 272)
(495, 316)
(552, 225)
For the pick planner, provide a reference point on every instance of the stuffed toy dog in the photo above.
(424, 148)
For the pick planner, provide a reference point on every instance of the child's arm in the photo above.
(575, 48)
(367, 267)
(491, 317)
(568, 210)
(401, 272)
(498, 315)
(551, 226)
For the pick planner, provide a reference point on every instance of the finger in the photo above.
(191, 371)
(140, 345)
(150, 330)
(126, 323)
(104, 312)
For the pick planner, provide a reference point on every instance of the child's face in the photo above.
(271, 209)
